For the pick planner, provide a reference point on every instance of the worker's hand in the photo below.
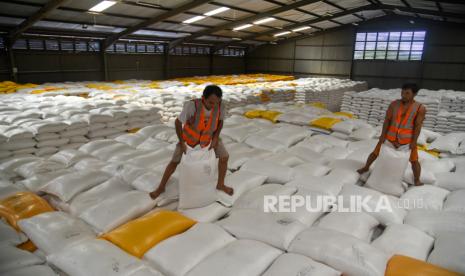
(183, 147)
(213, 143)
(157, 193)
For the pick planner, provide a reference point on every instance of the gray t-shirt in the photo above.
(188, 111)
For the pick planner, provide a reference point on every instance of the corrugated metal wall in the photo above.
(330, 54)
(45, 66)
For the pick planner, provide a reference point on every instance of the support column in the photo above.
(166, 67)
(12, 62)
(104, 61)
(210, 61)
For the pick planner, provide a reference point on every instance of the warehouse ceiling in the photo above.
(221, 22)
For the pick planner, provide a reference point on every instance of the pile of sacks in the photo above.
(445, 112)
(326, 90)
(44, 125)
(101, 190)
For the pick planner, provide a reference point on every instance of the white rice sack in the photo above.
(108, 189)
(275, 173)
(285, 159)
(308, 170)
(346, 127)
(210, 213)
(424, 197)
(14, 258)
(455, 202)
(386, 209)
(239, 134)
(114, 211)
(53, 231)
(11, 164)
(448, 251)
(68, 157)
(197, 178)
(74, 132)
(179, 254)
(388, 171)
(260, 226)
(450, 181)
(343, 252)
(359, 225)
(289, 135)
(151, 160)
(260, 142)
(309, 155)
(53, 143)
(363, 133)
(406, 240)
(237, 158)
(67, 186)
(295, 264)
(335, 142)
(31, 169)
(94, 257)
(241, 181)
(240, 257)
(18, 144)
(36, 270)
(447, 143)
(9, 235)
(112, 151)
(90, 147)
(149, 182)
(254, 198)
(435, 222)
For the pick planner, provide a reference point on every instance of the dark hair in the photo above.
(412, 86)
(212, 90)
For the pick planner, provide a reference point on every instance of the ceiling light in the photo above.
(216, 11)
(264, 20)
(355, 24)
(283, 33)
(243, 27)
(193, 19)
(412, 22)
(302, 28)
(102, 6)
(236, 38)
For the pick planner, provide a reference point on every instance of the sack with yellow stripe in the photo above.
(325, 122)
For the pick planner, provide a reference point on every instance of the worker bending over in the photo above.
(200, 123)
(402, 126)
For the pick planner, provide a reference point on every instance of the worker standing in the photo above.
(200, 123)
(402, 126)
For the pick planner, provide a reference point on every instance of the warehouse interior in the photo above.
(106, 167)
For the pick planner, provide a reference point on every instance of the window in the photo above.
(94, 46)
(402, 46)
(52, 45)
(36, 44)
(81, 46)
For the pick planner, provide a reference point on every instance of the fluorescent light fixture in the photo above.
(102, 6)
(302, 28)
(283, 33)
(264, 20)
(243, 27)
(236, 38)
(193, 19)
(216, 11)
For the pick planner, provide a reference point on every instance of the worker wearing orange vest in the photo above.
(402, 126)
(200, 124)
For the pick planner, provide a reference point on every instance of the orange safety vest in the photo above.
(196, 130)
(401, 129)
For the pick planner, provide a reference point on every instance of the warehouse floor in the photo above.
(79, 159)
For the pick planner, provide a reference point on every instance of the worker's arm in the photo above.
(387, 122)
(417, 126)
(216, 135)
(178, 126)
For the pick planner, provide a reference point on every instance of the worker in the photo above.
(402, 126)
(200, 123)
